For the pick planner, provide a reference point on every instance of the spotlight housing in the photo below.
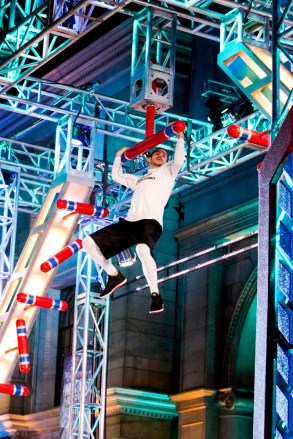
(126, 258)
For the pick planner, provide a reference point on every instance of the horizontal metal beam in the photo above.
(55, 102)
(206, 157)
(42, 33)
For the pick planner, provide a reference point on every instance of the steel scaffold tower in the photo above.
(9, 193)
(208, 154)
(91, 316)
(89, 352)
(281, 36)
(39, 31)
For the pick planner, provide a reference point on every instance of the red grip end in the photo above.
(233, 131)
(79, 243)
(24, 368)
(61, 204)
(21, 297)
(179, 126)
(25, 391)
(105, 212)
(45, 267)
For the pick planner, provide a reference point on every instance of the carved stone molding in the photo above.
(239, 399)
(194, 399)
(140, 403)
(32, 425)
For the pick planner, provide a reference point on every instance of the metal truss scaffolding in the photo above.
(9, 189)
(153, 60)
(33, 33)
(89, 354)
(250, 54)
(208, 152)
(281, 36)
(37, 31)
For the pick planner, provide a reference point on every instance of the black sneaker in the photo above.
(156, 303)
(114, 282)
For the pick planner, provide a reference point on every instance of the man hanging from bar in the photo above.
(143, 224)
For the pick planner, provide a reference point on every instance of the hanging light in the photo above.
(77, 136)
(81, 135)
(215, 106)
(222, 115)
(7, 178)
(126, 258)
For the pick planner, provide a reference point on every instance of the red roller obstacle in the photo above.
(256, 137)
(83, 208)
(154, 140)
(64, 254)
(43, 302)
(23, 352)
(14, 389)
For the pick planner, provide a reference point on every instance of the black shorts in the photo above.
(117, 237)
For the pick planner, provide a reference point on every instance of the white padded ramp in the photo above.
(49, 235)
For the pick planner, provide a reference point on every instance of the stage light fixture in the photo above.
(81, 135)
(77, 137)
(222, 115)
(126, 258)
(214, 116)
(6, 178)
